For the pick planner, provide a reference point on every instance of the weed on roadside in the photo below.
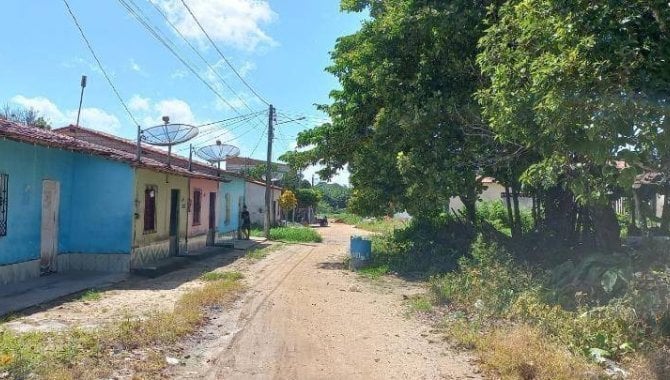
(420, 303)
(91, 295)
(216, 276)
(259, 253)
(94, 354)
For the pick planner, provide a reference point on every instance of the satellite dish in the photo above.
(217, 153)
(168, 135)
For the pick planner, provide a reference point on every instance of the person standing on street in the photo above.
(246, 223)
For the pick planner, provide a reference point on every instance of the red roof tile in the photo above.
(21, 133)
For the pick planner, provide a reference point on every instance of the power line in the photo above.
(222, 55)
(201, 137)
(162, 40)
(97, 60)
(197, 52)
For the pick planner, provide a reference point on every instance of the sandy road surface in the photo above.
(305, 317)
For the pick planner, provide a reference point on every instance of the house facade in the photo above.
(493, 191)
(64, 205)
(255, 201)
(211, 199)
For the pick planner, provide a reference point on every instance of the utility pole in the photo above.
(268, 173)
(81, 97)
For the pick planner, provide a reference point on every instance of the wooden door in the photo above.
(49, 230)
(174, 222)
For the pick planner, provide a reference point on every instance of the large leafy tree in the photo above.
(581, 84)
(405, 119)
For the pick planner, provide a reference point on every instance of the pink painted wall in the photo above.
(206, 188)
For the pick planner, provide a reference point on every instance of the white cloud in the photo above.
(138, 103)
(235, 23)
(91, 117)
(44, 106)
(178, 110)
(135, 66)
(96, 118)
(179, 74)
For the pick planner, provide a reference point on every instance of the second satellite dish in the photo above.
(218, 152)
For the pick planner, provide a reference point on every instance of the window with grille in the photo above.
(197, 207)
(150, 209)
(4, 203)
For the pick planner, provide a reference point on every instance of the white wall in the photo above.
(255, 199)
(491, 192)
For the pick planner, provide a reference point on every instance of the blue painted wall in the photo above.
(95, 201)
(236, 190)
(101, 201)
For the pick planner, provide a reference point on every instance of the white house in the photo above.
(255, 201)
(493, 191)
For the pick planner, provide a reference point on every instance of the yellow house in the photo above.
(160, 217)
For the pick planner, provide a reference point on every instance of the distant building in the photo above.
(239, 164)
(493, 191)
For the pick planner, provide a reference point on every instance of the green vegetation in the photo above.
(295, 235)
(259, 253)
(218, 276)
(90, 354)
(90, 295)
(497, 290)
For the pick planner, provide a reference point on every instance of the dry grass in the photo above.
(135, 342)
(652, 366)
(520, 352)
(523, 352)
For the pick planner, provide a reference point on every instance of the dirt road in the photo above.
(304, 317)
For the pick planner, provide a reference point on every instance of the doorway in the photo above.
(174, 222)
(49, 227)
(211, 234)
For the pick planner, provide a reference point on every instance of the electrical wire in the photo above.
(197, 52)
(163, 41)
(100, 66)
(222, 55)
(201, 137)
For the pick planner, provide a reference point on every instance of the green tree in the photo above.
(581, 84)
(405, 120)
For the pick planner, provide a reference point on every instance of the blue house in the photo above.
(64, 205)
(231, 200)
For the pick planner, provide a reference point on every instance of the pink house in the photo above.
(203, 211)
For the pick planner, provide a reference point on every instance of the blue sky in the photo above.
(280, 47)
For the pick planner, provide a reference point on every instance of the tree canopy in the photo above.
(564, 101)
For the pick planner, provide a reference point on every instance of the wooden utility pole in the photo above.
(268, 174)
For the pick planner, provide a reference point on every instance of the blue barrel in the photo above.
(360, 248)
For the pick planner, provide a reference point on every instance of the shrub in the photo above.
(295, 235)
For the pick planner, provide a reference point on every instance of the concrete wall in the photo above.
(492, 192)
(234, 192)
(151, 246)
(95, 211)
(255, 194)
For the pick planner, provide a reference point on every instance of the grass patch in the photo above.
(374, 272)
(420, 303)
(217, 276)
(91, 295)
(295, 235)
(258, 253)
(93, 354)
(345, 218)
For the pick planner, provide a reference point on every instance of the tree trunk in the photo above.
(641, 218)
(508, 203)
(606, 228)
(516, 227)
(665, 217)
